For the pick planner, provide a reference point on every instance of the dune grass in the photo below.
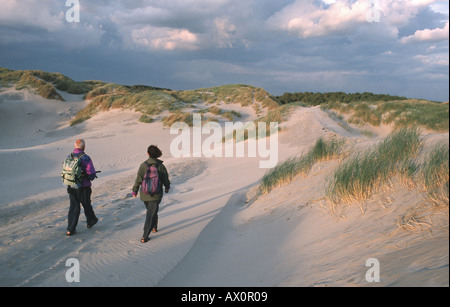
(30, 81)
(113, 96)
(285, 172)
(152, 101)
(146, 119)
(434, 176)
(431, 177)
(401, 114)
(44, 83)
(278, 115)
(228, 115)
(178, 116)
(245, 95)
(365, 173)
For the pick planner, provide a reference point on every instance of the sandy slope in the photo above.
(291, 239)
(213, 232)
(34, 207)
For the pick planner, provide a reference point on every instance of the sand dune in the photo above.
(213, 231)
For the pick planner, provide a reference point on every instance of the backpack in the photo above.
(72, 174)
(152, 182)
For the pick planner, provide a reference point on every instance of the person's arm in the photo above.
(90, 171)
(165, 178)
(139, 179)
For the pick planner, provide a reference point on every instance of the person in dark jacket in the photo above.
(151, 202)
(82, 195)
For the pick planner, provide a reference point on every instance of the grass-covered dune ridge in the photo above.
(44, 83)
(40, 80)
(357, 109)
(377, 109)
(400, 113)
(360, 176)
(285, 172)
(366, 172)
(153, 102)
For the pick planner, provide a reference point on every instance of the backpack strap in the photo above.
(83, 173)
(79, 157)
(157, 164)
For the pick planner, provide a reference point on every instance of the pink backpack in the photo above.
(152, 183)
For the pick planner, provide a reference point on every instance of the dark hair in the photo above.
(154, 152)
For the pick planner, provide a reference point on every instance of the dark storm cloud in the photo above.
(279, 45)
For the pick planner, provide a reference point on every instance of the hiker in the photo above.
(80, 192)
(152, 175)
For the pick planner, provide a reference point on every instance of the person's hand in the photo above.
(167, 191)
(134, 194)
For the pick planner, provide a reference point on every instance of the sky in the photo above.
(397, 47)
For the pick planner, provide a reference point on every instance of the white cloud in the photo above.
(398, 13)
(45, 21)
(434, 59)
(165, 38)
(177, 25)
(305, 19)
(224, 32)
(308, 19)
(440, 7)
(428, 35)
(32, 13)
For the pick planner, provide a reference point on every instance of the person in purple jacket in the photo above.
(82, 195)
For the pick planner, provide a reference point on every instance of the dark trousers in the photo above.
(151, 220)
(80, 196)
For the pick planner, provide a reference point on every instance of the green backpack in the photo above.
(72, 174)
